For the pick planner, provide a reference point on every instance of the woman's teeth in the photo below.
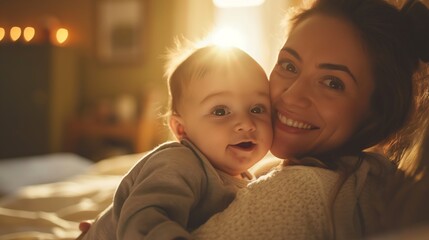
(293, 123)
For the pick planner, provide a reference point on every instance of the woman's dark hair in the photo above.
(397, 42)
(394, 46)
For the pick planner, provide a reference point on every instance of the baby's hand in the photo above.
(83, 227)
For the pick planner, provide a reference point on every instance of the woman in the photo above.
(342, 83)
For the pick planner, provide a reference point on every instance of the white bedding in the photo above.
(53, 211)
(30, 170)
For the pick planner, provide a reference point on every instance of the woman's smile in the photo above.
(294, 123)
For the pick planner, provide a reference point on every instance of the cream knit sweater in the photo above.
(302, 202)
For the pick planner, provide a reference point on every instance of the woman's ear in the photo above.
(177, 127)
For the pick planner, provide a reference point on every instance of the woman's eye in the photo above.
(257, 109)
(221, 111)
(288, 66)
(334, 83)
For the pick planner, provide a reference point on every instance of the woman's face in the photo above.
(320, 88)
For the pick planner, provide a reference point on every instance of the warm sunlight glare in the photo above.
(237, 3)
(29, 33)
(226, 37)
(2, 33)
(62, 35)
(15, 33)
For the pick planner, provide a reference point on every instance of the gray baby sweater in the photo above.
(168, 193)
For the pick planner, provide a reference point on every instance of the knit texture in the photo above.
(298, 202)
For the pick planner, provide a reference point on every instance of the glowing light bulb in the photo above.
(62, 35)
(29, 33)
(15, 33)
(2, 33)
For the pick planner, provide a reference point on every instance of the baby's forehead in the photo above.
(241, 74)
(240, 82)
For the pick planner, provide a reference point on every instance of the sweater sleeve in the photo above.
(162, 196)
(289, 204)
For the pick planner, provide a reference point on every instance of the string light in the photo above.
(15, 33)
(47, 31)
(62, 35)
(2, 33)
(29, 33)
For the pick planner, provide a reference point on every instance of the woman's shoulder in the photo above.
(285, 202)
(294, 189)
(304, 178)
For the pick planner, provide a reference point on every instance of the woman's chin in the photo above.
(280, 152)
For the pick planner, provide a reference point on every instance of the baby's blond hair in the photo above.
(191, 62)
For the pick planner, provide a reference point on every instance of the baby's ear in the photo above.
(177, 127)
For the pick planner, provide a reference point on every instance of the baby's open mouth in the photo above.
(245, 145)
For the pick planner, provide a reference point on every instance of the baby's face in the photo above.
(228, 117)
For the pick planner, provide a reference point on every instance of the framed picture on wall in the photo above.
(118, 30)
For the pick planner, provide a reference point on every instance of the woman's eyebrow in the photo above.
(338, 67)
(292, 52)
(330, 66)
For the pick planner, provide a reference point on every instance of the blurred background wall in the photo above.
(100, 91)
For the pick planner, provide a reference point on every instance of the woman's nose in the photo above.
(245, 124)
(297, 94)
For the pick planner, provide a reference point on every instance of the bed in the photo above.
(65, 189)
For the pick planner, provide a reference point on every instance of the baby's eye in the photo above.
(334, 83)
(258, 109)
(288, 66)
(220, 111)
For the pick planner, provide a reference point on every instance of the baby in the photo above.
(220, 114)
